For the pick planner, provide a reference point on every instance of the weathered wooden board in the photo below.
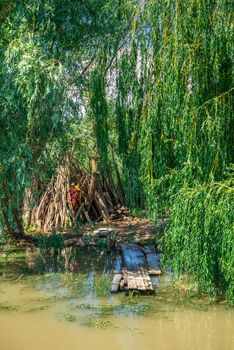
(140, 285)
(154, 272)
(152, 258)
(131, 281)
(134, 268)
(115, 286)
(133, 257)
(147, 279)
(139, 280)
(118, 265)
(115, 282)
(124, 281)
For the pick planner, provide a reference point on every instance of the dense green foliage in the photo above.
(147, 84)
(200, 237)
(174, 120)
(43, 50)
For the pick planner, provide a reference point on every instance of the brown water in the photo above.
(59, 311)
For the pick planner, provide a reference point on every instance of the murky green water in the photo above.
(61, 301)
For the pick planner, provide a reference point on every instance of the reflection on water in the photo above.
(37, 261)
(69, 260)
(51, 300)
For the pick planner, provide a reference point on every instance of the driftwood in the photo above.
(53, 209)
(98, 199)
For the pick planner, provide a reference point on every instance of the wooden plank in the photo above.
(139, 281)
(118, 265)
(133, 256)
(124, 282)
(134, 275)
(136, 281)
(115, 282)
(131, 281)
(154, 272)
(148, 249)
(146, 279)
(153, 259)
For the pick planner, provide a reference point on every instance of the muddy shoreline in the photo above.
(130, 230)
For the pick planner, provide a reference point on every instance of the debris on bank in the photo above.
(76, 194)
(130, 230)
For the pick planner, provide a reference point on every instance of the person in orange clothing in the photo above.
(74, 196)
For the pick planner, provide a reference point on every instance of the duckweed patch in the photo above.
(111, 309)
(70, 318)
(38, 308)
(8, 307)
(97, 323)
(30, 306)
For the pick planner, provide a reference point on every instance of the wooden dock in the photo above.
(136, 268)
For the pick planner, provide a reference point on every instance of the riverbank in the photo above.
(126, 230)
(130, 230)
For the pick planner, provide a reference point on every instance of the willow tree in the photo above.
(191, 138)
(31, 89)
(174, 97)
(171, 108)
(45, 50)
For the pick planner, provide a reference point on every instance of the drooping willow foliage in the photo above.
(200, 236)
(99, 112)
(174, 93)
(30, 88)
(44, 49)
(174, 122)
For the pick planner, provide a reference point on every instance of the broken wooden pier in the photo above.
(136, 268)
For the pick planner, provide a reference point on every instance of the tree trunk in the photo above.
(13, 219)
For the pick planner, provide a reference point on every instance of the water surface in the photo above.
(61, 301)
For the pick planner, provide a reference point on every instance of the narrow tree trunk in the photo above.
(12, 217)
